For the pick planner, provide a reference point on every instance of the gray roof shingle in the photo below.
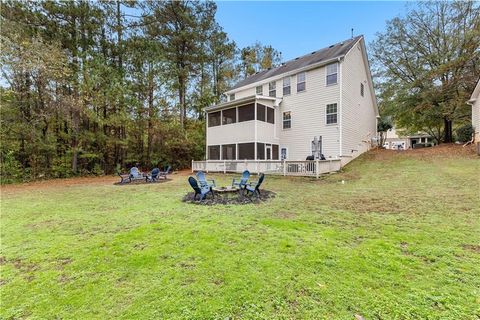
(334, 51)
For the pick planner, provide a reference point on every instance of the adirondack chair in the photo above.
(124, 178)
(254, 187)
(164, 173)
(154, 175)
(199, 189)
(202, 180)
(136, 175)
(242, 181)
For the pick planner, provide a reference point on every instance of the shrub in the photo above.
(464, 133)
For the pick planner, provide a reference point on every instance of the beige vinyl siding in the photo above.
(308, 117)
(476, 118)
(358, 113)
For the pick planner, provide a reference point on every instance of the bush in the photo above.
(464, 133)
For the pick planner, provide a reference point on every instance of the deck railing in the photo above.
(313, 168)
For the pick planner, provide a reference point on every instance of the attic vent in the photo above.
(297, 58)
(313, 52)
(332, 46)
(341, 44)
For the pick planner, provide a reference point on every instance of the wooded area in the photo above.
(94, 87)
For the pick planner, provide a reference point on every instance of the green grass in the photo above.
(399, 240)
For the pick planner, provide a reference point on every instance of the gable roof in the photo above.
(323, 55)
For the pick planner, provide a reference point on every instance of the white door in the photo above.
(268, 151)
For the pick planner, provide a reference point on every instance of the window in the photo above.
(214, 119)
(260, 112)
(246, 151)
(259, 90)
(228, 152)
(332, 72)
(232, 97)
(272, 92)
(362, 89)
(283, 154)
(275, 151)
(331, 113)
(301, 82)
(213, 152)
(270, 115)
(260, 151)
(287, 120)
(229, 116)
(246, 113)
(286, 86)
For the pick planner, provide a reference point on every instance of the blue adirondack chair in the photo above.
(164, 173)
(254, 187)
(242, 181)
(202, 180)
(135, 175)
(154, 175)
(199, 190)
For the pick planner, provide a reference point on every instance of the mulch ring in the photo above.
(137, 182)
(227, 199)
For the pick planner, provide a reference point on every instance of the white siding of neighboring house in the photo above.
(476, 112)
(308, 110)
(358, 113)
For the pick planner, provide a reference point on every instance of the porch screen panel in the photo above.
(213, 152)
(260, 151)
(261, 112)
(270, 115)
(246, 113)
(246, 151)
(214, 119)
(229, 152)
(274, 151)
(229, 116)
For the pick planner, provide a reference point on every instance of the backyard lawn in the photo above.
(399, 239)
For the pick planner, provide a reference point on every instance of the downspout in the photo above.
(340, 129)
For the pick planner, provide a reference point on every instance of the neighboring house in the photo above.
(398, 142)
(320, 103)
(475, 103)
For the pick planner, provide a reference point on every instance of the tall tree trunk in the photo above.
(448, 135)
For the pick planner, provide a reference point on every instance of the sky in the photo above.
(297, 28)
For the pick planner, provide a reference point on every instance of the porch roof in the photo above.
(240, 101)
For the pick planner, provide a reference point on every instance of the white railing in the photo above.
(311, 168)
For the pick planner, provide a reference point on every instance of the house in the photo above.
(395, 141)
(475, 103)
(322, 103)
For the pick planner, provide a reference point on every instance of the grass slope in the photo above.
(399, 240)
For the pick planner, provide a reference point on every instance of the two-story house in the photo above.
(320, 103)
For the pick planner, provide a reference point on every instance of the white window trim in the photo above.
(261, 93)
(275, 89)
(286, 153)
(326, 74)
(326, 114)
(283, 128)
(289, 85)
(304, 81)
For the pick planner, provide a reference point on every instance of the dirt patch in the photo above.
(23, 265)
(285, 215)
(446, 150)
(230, 199)
(472, 247)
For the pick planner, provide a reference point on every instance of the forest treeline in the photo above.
(92, 87)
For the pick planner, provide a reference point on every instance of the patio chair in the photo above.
(124, 178)
(200, 190)
(202, 180)
(254, 187)
(136, 175)
(164, 173)
(154, 175)
(242, 181)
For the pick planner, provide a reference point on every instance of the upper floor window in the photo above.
(286, 86)
(331, 113)
(332, 73)
(287, 120)
(229, 116)
(301, 82)
(232, 96)
(272, 92)
(362, 89)
(214, 119)
(259, 90)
